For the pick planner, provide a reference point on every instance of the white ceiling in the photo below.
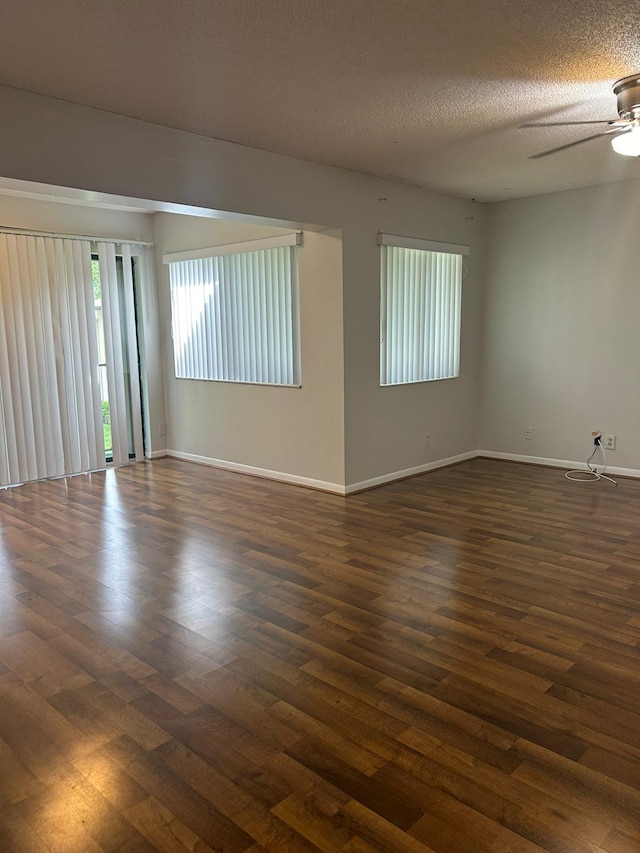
(431, 93)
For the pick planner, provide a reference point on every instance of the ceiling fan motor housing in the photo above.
(627, 92)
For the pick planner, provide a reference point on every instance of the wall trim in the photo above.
(363, 485)
(393, 476)
(320, 485)
(410, 472)
(555, 463)
(265, 473)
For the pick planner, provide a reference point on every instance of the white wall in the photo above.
(60, 218)
(294, 431)
(562, 333)
(67, 145)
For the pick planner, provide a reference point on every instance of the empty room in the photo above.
(319, 427)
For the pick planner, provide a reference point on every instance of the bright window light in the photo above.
(235, 317)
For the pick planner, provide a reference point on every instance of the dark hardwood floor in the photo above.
(193, 660)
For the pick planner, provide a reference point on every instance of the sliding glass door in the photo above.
(130, 357)
(69, 377)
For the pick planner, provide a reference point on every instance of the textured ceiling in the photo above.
(431, 93)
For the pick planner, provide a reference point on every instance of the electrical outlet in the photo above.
(427, 440)
(528, 433)
(609, 442)
(162, 428)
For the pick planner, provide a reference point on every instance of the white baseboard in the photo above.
(555, 463)
(322, 485)
(410, 472)
(339, 489)
(265, 473)
(156, 454)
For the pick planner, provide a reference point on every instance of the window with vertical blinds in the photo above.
(235, 313)
(421, 297)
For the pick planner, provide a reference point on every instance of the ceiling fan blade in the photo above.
(615, 130)
(612, 121)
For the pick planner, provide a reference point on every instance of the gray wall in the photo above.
(562, 338)
(66, 145)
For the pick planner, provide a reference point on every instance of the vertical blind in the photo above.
(50, 403)
(50, 418)
(235, 316)
(421, 294)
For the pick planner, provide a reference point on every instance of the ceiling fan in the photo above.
(624, 131)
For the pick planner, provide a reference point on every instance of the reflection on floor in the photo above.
(194, 660)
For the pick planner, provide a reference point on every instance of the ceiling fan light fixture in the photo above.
(627, 143)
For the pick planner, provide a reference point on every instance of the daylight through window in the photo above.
(235, 315)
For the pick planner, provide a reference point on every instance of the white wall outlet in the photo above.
(528, 433)
(162, 428)
(609, 442)
(427, 440)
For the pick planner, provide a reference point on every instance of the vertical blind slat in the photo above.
(113, 342)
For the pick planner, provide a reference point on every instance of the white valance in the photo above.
(294, 239)
(423, 245)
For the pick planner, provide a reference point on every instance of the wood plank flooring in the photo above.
(193, 660)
